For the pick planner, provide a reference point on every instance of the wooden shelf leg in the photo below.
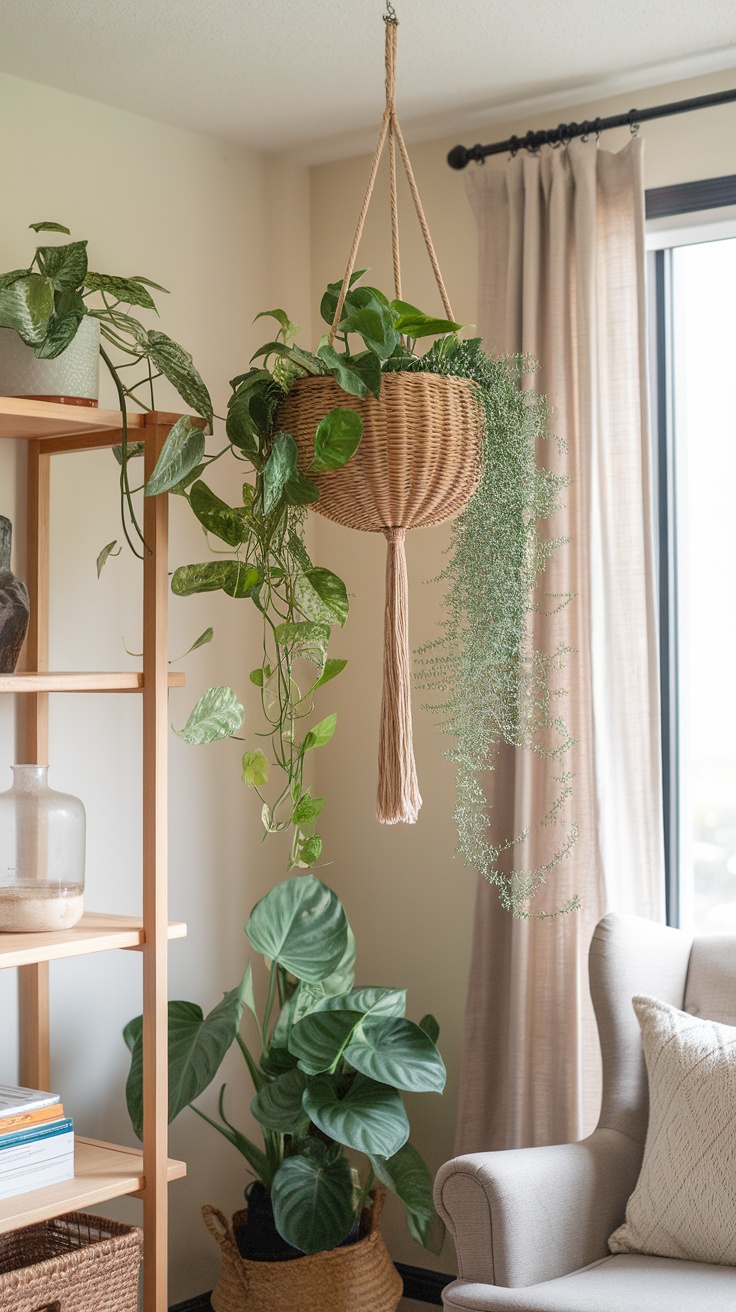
(32, 747)
(155, 900)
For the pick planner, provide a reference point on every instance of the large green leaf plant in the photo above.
(328, 1063)
(45, 303)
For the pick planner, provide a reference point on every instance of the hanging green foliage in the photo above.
(492, 685)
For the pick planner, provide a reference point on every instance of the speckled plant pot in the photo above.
(73, 377)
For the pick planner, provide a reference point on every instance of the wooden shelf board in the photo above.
(94, 933)
(84, 681)
(101, 1171)
(40, 419)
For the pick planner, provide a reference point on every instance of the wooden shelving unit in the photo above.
(102, 1171)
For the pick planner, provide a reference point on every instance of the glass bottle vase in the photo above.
(42, 848)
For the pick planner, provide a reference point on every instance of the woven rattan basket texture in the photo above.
(73, 1263)
(358, 1278)
(419, 459)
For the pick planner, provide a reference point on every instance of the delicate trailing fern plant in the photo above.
(493, 685)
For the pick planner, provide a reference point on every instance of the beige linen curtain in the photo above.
(562, 278)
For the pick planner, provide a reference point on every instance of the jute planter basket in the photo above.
(358, 1278)
(74, 1263)
(418, 463)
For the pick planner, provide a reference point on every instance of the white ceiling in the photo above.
(305, 76)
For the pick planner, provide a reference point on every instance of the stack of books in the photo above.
(36, 1141)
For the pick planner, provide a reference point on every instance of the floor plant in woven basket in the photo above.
(328, 1065)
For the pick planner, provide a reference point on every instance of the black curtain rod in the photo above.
(459, 156)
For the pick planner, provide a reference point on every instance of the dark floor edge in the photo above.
(420, 1283)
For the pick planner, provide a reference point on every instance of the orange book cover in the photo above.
(24, 1120)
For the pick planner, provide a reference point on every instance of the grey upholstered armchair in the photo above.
(531, 1225)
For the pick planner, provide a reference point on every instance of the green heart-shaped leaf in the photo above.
(278, 1106)
(313, 1202)
(409, 1178)
(337, 439)
(302, 925)
(322, 596)
(398, 1053)
(366, 1116)
(27, 305)
(227, 524)
(319, 1040)
(278, 470)
(218, 714)
(371, 1001)
(181, 453)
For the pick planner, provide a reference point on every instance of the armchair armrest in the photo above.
(531, 1214)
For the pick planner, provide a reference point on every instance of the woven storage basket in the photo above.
(73, 1263)
(358, 1278)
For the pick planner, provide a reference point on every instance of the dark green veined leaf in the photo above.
(269, 348)
(197, 1047)
(430, 1026)
(322, 596)
(369, 1000)
(337, 439)
(105, 554)
(227, 524)
(181, 453)
(349, 379)
(135, 450)
(412, 322)
(333, 667)
(255, 769)
(366, 1116)
(407, 1175)
(66, 266)
(128, 290)
(116, 323)
(318, 1041)
(398, 1053)
(278, 470)
(310, 850)
(177, 365)
(307, 809)
(278, 1106)
(48, 226)
(308, 997)
(137, 277)
(277, 1061)
(306, 360)
(218, 714)
(288, 329)
(328, 304)
(7, 279)
(302, 925)
(368, 367)
(313, 1202)
(27, 305)
(320, 734)
(300, 490)
(62, 326)
(230, 576)
(376, 328)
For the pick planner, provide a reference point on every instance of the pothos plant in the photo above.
(298, 602)
(45, 303)
(328, 1064)
(498, 686)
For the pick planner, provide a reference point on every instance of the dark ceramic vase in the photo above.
(14, 604)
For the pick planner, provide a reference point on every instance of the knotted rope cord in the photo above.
(390, 126)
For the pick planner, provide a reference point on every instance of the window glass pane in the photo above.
(704, 314)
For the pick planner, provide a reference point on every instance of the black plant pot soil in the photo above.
(256, 1235)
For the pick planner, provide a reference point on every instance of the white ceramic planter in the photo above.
(74, 376)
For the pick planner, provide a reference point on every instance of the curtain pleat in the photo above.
(561, 277)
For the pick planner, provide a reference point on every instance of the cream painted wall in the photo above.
(226, 229)
(409, 898)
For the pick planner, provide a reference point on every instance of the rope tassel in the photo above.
(398, 796)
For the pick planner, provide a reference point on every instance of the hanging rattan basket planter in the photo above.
(418, 463)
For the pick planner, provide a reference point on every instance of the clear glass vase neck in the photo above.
(30, 778)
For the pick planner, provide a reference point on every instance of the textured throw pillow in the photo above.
(684, 1203)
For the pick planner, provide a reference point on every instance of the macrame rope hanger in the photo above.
(398, 797)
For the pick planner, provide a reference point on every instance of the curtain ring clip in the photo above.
(633, 125)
